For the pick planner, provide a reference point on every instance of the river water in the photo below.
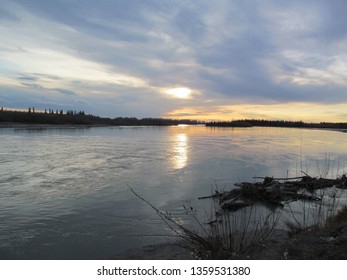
(64, 192)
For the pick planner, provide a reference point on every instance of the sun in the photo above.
(180, 92)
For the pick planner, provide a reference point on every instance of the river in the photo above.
(65, 191)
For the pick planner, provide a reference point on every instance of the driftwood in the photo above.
(273, 193)
(280, 179)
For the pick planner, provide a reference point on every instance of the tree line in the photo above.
(57, 117)
(52, 112)
(276, 123)
(71, 117)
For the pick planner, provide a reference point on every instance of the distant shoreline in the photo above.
(37, 126)
(72, 119)
(277, 123)
(80, 118)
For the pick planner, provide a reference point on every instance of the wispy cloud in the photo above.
(64, 91)
(32, 85)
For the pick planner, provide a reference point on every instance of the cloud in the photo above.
(190, 24)
(7, 16)
(27, 78)
(40, 88)
(129, 52)
(64, 91)
(33, 86)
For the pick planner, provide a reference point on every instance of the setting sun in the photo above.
(181, 92)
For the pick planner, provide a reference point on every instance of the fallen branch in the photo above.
(273, 192)
(280, 179)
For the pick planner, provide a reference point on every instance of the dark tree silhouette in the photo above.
(80, 118)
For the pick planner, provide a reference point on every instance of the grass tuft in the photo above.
(225, 234)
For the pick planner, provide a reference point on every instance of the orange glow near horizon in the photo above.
(306, 112)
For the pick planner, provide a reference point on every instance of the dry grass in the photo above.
(225, 234)
(314, 214)
(228, 232)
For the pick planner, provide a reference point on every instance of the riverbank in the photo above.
(325, 243)
(328, 243)
(323, 236)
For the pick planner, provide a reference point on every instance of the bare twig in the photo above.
(174, 225)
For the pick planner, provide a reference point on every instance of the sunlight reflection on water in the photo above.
(180, 148)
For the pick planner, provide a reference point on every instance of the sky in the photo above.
(179, 59)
